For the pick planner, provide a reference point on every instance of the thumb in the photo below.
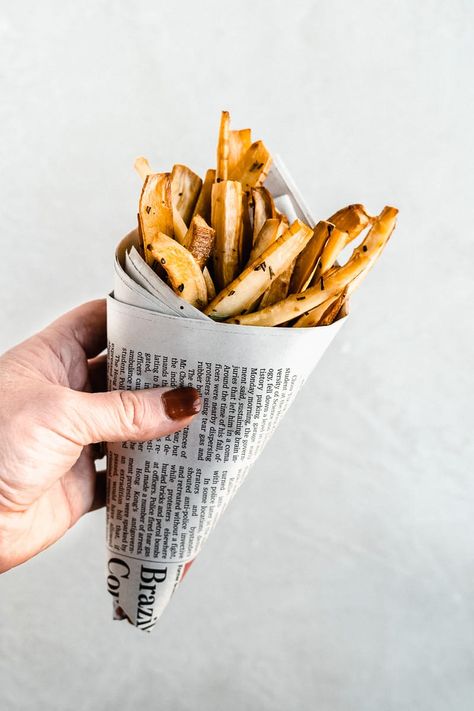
(133, 415)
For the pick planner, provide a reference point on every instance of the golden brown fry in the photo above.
(185, 189)
(297, 304)
(240, 294)
(222, 171)
(179, 226)
(352, 219)
(239, 143)
(226, 220)
(253, 167)
(336, 280)
(312, 318)
(155, 212)
(381, 231)
(246, 237)
(199, 240)
(142, 167)
(263, 209)
(323, 315)
(270, 231)
(375, 241)
(307, 261)
(203, 205)
(211, 289)
(279, 289)
(183, 271)
(334, 244)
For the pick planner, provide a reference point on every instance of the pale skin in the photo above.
(54, 413)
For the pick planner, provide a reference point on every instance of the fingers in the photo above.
(127, 415)
(86, 325)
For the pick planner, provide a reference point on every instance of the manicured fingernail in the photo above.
(181, 402)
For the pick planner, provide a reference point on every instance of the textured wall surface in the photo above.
(351, 585)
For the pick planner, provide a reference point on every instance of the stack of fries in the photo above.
(223, 246)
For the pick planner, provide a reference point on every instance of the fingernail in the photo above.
(181, 402)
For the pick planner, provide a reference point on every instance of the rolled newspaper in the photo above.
(165, 496)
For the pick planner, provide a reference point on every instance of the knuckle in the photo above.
(133, 411)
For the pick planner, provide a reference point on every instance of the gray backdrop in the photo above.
(351, 585)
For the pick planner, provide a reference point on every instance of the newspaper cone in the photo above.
(165, 496)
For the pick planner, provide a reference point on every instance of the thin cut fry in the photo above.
(352, 219)
(222, 171)
(253, 167)
(199, 240)
(270, 231)
(307, 261)
(183, 271)
(258, 276)
(142, 167)
(203, 205)
(226, 220)
(185, 189)
(337, 279)
(155, 213)
(263, 209)
(324, 314)
(239, 143)
(211, 289)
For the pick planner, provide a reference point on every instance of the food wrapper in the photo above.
(165, 496)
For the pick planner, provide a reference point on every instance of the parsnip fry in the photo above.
(324, 314)
(222, 171)
(142, 167)
(263, 209)
(179, 226)
(279, 289)
(352, 219)
(253, 167)
(270, 231)
(226, 220)
(199, 240)
(155, 212)
(239, 143)
(183, 271)
(336, 280)
(307, 261)
(211, 289)
(297, 304)
(203, 205)
(258, 276)
(334, 244)
(246, 237)
(185, 189)
(375, 241)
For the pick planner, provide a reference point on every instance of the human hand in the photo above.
(52, 412)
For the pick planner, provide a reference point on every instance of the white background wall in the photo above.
(351, 584)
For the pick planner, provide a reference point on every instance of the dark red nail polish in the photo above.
(181, 402)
